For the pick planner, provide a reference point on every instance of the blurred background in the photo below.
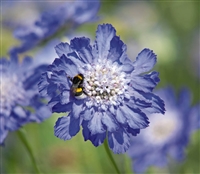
(169, 28)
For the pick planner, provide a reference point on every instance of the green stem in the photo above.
(22, 136)
(110, 155)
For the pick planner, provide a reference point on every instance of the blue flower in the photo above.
(167, 136)
(116, 94)
(53, 22)
(20, 101)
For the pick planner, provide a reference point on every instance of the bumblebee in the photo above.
(77, 85)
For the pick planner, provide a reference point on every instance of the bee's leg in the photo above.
(84, 91)
(71, 79)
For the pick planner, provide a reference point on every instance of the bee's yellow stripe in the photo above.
(79, 77)
(79, 89)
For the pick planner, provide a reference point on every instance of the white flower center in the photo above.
(105, 83)
(11, 90)
(162, 128)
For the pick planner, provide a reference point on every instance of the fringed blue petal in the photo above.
(67, 127)
(145, 61)
(104, 35)
(95, 124)
(96, 139)
(119, 141)
(83, 48)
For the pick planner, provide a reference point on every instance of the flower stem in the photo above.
(22, 136)
(110, 155)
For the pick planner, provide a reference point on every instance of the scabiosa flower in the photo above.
(167, 136)
(53, 22)
(20, 101)
(116, 94)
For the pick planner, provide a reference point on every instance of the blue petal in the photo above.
(128, 67)
(184, 100)
(140, 166)
(65, 97)
(88, 114)
(157, 106)
(145, 61)
(61, 128)
(143, 83)
(133, 132)
(56, 106)
(29, 41)
(117, 53)
(74, 125)
(140, 104)
(53, 101)
(61, 108)
(64, 64)
(83, 48)
(18, 117)
(169, 95)
(51, 89)
(3, 131)
(118, 141)
(153, 76)
(41, 114)
(120, 117)
(60, 78)
(109, 121)
(4, 64)
(135, 118)
(76, 110)
(104, 35)
(13, 123)
(67, 51)
(20, 112)
(116, 49)
(194, 118)
(124, 58)
(41, 111)
(86, 132)
(27, 61)
(34, 78)
(96, 139)
(66, 127)
(112, 109)
(3, 135)
(86, 11)
(43, 84)
(95, 124)
(63, 48)
(14, 60)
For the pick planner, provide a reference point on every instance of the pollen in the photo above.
(105, 82)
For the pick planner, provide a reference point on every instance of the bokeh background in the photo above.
(170, 28)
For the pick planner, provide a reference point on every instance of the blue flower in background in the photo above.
(69, 15)
(46, 54)
(167, 136)
(20, 101)
(102, 89)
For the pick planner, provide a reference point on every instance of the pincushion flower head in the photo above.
(102, 89)
(167, 136)
(20, 102)
(55, 22)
